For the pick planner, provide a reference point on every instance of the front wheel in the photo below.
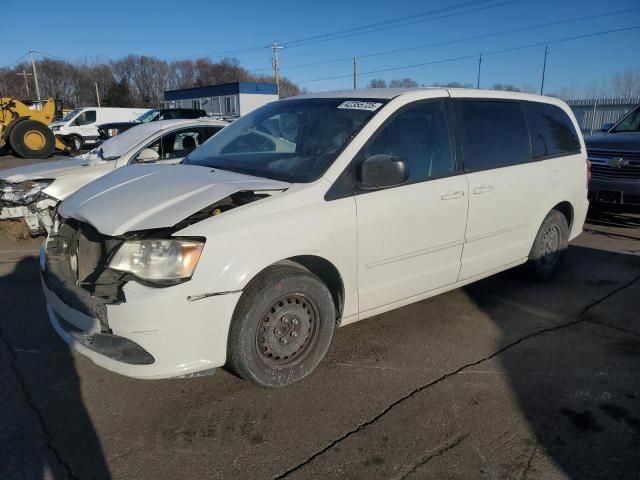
(282, 327)
(32, 139)
(549, 248)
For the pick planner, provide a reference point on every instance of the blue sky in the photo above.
(86, 30)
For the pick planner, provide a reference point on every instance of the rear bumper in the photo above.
(629, 190)
(156, 333)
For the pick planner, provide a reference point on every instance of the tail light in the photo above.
(588, 172)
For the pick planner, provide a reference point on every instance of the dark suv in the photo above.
(615, 162)
(108, 130)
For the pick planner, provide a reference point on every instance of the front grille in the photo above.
(614, 164)
(76, 269)
(605, 171)
(606, 154)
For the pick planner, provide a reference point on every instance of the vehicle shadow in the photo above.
(46, 431)
(575, 378)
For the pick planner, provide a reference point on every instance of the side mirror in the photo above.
(382, 170)
(606, 127)
(148, 155)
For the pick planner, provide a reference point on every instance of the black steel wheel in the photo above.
(282, 327)
(549, 248)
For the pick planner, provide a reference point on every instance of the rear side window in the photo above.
(552, 132)
(495, 134)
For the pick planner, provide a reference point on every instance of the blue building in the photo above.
(227, 100)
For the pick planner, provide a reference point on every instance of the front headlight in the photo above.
(158, 259)
(23, 193)
(55, 128)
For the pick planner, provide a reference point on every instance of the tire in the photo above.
(282, 327)
(32, 139)
(549, 248)
(76, 143)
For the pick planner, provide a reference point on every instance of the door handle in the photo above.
(453, 195)
(482, 189)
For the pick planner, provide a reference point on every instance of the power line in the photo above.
(389, 27)
(451, 42)
(475, 55)
(17, 61)
(353, 31)
(387, 22)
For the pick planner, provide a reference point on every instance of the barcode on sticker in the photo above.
(356, 105)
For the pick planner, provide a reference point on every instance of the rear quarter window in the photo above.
(552, 132)
(495, 134)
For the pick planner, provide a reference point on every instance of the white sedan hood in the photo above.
(55, 169)
(143, 197)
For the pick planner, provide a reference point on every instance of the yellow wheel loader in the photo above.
(25, 128)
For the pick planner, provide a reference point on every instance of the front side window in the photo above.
(552, 132)
(70, 115)
(630, 123)
(181, 143)
(420, 136)
(289, 140)
(495, 134)
(149, 116)
(86, 118)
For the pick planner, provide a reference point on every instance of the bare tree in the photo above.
(403, 83)
(627, 83)
(377, 83)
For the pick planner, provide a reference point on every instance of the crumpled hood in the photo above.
(614, 141)
(55, 169)
(143, 197)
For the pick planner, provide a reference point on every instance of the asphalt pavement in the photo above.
(506, 378)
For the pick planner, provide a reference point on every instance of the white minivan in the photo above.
(309, 213)
(80, 126)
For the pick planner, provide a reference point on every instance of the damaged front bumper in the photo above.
(37, 215)
(150, 333)
(151, 336)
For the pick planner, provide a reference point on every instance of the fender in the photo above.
(242, 247)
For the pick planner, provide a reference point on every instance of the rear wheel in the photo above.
(282, 327)
(32, 139)
(549, 248)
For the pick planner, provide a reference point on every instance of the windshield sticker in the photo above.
(357, 105)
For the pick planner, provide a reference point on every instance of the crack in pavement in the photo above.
(613, 327)
(448, 375)
(30, 403)
(438, 451)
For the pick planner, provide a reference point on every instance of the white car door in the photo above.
(410, 237)
(86, 124)
(505, 185)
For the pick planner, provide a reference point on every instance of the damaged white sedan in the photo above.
(306, 214)
(33, 192)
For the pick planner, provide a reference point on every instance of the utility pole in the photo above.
(544, 68)
(35, 74)
(479, 67)
(26, 82)
(97, 94)
(276, 65)
(355, 72)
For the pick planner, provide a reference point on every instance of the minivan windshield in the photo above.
(70, 115)
(630, 123)
(290, 140)
(148, 116)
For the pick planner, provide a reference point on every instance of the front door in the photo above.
(410, 237)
